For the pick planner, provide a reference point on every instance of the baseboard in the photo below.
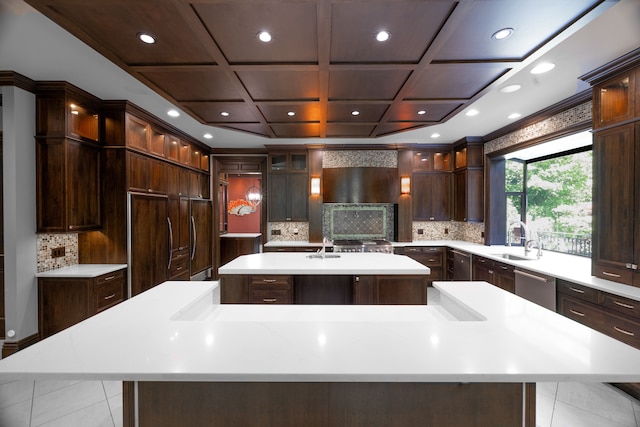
(10, 347)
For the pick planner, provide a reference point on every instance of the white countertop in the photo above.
(299, 263)
(572, 268)
(241, 235)
(176, 332)
(83, 270)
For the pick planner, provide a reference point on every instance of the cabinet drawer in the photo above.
(270, 296)
(179, 266)
(111, 277)
(582, 313)
(582, 292)
(108, 294)
(270, 281)
(623, 305)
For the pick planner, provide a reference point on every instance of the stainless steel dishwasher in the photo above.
(537, 288)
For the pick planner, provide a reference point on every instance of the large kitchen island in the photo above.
(470, 358)
(323, 278)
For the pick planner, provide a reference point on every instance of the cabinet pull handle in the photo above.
(577, 313)
(179, 268)
(580, 291)
(269, 299)
(505, 268)
(606, 273)
(110, 296)
(622, 331)
(432, 260)
(195, 237)
(490, 271)
(269, 280)
(109, 278)
(170, 242)
(621, 304)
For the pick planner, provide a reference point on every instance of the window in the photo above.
(552, 195)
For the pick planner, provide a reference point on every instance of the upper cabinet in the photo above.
(469, 182)
(616, 169)
(616, 100)
(67, 159)
(288, 186)
(432, 186)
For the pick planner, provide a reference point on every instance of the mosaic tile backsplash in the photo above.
(289, 231)
(448, 230)
(46, 242)
(357, 221)
(360, 159)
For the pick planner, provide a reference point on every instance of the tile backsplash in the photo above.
(46, 242)
(358, 221)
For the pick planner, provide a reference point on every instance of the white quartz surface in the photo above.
(83, 270)
(241, 235)
(300, 263)
(175, 331)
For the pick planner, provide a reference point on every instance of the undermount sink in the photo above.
(319, 256)
(515, 257)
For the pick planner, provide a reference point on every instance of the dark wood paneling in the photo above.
(333, 404)
(360, 185)
(321, 289)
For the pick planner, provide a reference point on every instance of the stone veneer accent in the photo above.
(578, 114)
(46, 242)
(360, 159)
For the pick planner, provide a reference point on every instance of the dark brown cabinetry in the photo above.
(67, 159)
(615, 316)
(311, 289)
(179, 238)
(469, 182)
(494, 272)
(232, 247)
(432, 185)
(432, 257)
(201, 214)
(288, 187)
(458, 265)
(63, 302)
(616, 172)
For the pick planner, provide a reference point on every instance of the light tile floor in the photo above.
(99, 404)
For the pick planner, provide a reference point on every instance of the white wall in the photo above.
(19, 185)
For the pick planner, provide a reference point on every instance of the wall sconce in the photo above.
(315, 186)
(405, 185)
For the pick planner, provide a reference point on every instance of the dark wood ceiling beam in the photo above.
(323, 11)
(196, 25)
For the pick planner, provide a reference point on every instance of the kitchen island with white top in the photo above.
(471, 359)
(331, 278)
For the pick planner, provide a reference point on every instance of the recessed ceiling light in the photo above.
(146, 38)
(421, 112)
(264, 36)
(224, 113)
(173, 113)
(510, 88)
(472, 113)
(543, 68)
(502, 34)
(435, 135)
(355, 113)
(208, 136)
(514, 115)
(291, 113)
(383, 36)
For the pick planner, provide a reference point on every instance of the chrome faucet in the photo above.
(323, 250)
(526, 233)
(530, 244)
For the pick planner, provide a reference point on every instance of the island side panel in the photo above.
(334, 404)
(234, 289)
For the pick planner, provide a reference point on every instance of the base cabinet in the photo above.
(496, 273)
(432, 257)
(610, 314)
(323, 289)
(63, 302)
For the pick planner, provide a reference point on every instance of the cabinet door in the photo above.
(432, 197)
(504, 277)
(157, 176)
(137, 133)
(83, 186)
(149, 241)
(613, 200)
(277, 186)
(172, 179)
(298, 197)
(201, 237)
(138, 172)
(482, 269)
(613, 100)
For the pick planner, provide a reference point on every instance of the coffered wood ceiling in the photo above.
(323, 62)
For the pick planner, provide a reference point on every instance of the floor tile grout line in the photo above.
(33, 393)
(113, 421)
